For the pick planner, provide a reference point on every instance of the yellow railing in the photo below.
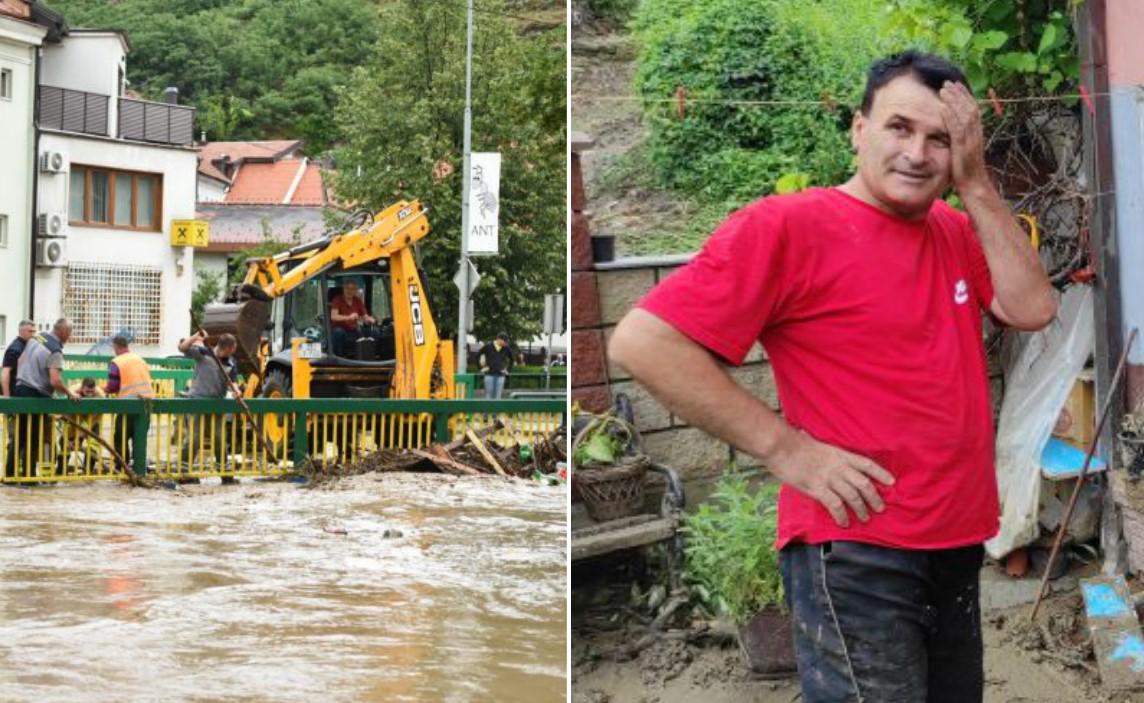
(524, 428)
(350, 437)
(172, 439)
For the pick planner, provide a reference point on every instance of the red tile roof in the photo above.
(269, 183)
(310, 190)
(237, 151)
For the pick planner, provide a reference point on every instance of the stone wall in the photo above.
(667, 438)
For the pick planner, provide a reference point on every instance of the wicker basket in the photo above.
(615, 491)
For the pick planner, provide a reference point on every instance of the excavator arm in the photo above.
(394, 229)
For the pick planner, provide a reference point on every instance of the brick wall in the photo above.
(589, 367)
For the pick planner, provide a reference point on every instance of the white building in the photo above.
(20, 38)
(113, 172)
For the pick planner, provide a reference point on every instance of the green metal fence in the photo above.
(185, 438)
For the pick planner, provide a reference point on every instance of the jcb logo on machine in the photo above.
(403, 213)
(415, 313)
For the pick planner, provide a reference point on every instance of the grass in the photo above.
(666, 221)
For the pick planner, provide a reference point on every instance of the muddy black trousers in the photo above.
(880, 625)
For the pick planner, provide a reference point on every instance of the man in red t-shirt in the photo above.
(867, 298)
(346, 312)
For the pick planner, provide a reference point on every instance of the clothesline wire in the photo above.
(829, 103)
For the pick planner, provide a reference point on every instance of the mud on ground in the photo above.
(1050, 662)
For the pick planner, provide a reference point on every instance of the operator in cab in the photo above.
(347, 314)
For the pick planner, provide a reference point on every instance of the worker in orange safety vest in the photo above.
(128, 376)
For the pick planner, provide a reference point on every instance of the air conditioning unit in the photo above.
(52, 224)
(51, 252)
(52, 162)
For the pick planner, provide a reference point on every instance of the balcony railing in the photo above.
(147, 121)
(73, 110)
(140, 120)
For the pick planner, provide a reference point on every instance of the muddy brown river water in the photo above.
(272, 592)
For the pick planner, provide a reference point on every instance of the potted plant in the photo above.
(733, 567)
(608, 474)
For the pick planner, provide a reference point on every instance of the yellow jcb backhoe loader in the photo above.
(280, 315)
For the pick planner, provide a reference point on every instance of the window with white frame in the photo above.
(6, 83)
(104, 300)
(3, 231)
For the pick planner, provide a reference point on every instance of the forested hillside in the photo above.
(260, 69)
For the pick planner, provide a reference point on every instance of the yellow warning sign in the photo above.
(190, 233)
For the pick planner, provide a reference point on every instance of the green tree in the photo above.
(769, 87)
(255, 69)
(402, 117)
(208, 289)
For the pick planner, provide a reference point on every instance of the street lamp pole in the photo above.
(463, 307)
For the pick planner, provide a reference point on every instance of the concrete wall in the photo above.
(210, 190)
(89, 61)
(667, 438)
(18, 47)
(178, 168)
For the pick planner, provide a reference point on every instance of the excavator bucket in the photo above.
(246, 321)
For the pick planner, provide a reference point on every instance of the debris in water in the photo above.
(491, 451)
(335, 530)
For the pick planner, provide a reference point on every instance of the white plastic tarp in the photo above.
(1037, 384)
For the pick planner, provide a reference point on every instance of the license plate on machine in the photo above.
(310, 350)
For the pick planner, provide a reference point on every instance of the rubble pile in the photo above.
(475, 453)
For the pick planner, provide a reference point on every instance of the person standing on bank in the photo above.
(208, 382)
(38, 374)
(496, 362)
(26, 331)
(128, 376)
(868, 300)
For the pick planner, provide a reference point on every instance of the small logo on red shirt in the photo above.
(960, 292)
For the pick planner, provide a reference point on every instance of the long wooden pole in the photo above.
(238, 396)
(1083, 472)
(130, 475)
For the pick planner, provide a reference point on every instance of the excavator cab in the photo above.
(342, 363)
(305, 312)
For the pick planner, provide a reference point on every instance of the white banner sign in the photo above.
(484, 202)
